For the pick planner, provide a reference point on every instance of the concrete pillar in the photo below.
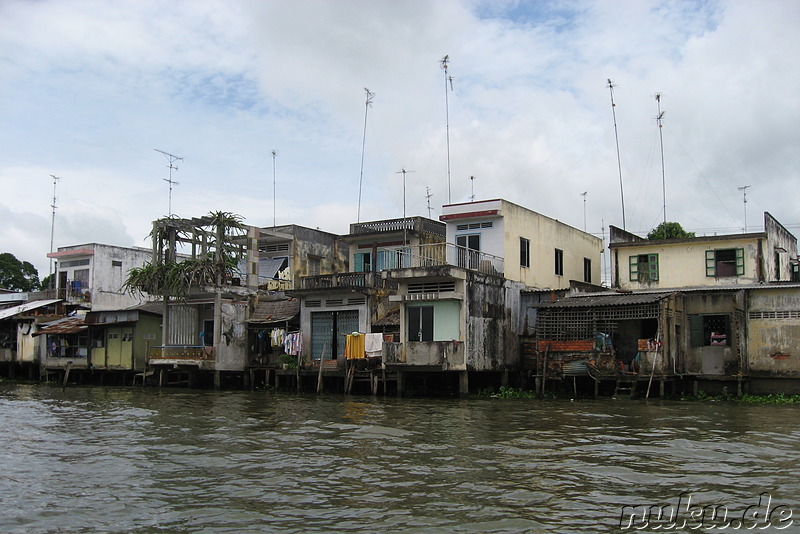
(217, 379)
(504, 378)
(401, 383)
(463, 383)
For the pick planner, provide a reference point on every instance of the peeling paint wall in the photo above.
(773, 332)
(709, 359)
(493, 308)
(231, 352)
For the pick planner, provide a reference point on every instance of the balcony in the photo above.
(410, 224)
(368, 280)
(75, 291)
(450, 254)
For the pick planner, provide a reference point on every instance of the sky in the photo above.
(91, 90)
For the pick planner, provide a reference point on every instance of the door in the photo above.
(114, 346)
(468, 251)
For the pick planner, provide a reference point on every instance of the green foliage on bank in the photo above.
(772, 398)
(507, 393)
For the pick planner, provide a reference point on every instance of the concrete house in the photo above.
(91, 276)
(20, 347)
(460, 300)
(734, 259)
(357, 299)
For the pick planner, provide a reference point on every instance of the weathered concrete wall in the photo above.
(773, 332)
(231, 350)
(446, 355)
(781, 248)
(492, 319)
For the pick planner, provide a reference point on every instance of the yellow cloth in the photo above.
(354, 347)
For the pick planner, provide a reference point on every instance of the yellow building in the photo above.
(722, 260)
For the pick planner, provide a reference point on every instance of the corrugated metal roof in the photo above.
(603, 299)
(68, 325)
(275, 311)
(28, 306)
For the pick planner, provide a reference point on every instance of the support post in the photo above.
(463, 383)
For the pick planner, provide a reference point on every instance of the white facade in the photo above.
(536, 250)
(92, 275)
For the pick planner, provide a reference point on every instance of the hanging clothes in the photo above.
(354, 346)
(293, 344)
(373, 345)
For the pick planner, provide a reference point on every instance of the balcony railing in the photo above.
(181, 352)
(450, 254)
(413, 224)
(75, 291)
(368, 280)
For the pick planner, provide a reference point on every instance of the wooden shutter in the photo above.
(633, 264)
(711, 263)
(739, 261)
(652, 267)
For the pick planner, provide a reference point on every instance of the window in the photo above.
(116, 263)
(313, 266)
(725, 262)
(777, 265)
(587, 270)
(559, 262)
(472, 226)
(363, 262)
(643, 268)
(468, 250)
(524, 252)
(710, 330)
(420, 323)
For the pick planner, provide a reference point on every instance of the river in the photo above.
(171, 460)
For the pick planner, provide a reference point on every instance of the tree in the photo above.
(17, 275)
(669, 230)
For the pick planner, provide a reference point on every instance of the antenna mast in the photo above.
(616, 137)
(472, 185)
(274, 189)
(53, 227)
(405, 226)
(663, 175)
(447, 79)
(584, 209)
(743, 189)
(172, 158)
(428, 196)
(367, 105)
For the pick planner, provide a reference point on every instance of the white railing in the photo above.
(448, 254)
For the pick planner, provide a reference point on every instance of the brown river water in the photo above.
(149, 460)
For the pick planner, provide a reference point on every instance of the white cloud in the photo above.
(90, 88)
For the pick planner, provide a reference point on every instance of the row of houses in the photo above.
(490, 294)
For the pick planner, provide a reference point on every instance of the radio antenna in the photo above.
(611, 86)
(743, 189)
(663, 175)
(403, 172)
(428, 196)
(448, 80)
(172, 158)
(472, 185)
(53, 227)
(274, 189)
(367, 104)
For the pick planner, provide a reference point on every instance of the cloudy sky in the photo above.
(89, 89)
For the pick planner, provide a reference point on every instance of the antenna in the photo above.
(584, 209)
(403, 172)
(743, 189)
(428, 196)
(53, 227)
(367, 104)
(663, 176)
(616, 137)
(274, 188)
(172, 158)
(472, 184)
(447, 80)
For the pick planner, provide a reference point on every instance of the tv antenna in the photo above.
(274, 188)
(659, 119)
(472, 185)
(172, 158)
(53, 226)
(405, 226)
(584, 209)
(743, 189)
(611, 86)
(367, 104)
(428, 196)
(448, 80)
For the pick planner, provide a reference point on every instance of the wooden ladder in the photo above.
(625, 386)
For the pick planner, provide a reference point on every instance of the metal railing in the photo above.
(413, 224)
(180, 352)
(366, 280)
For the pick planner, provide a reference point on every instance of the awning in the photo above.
(269, 267)
(28, 306)
(275, 311)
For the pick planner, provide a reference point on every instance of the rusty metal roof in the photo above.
(604, 299)
(275, 311)
(67, 325)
